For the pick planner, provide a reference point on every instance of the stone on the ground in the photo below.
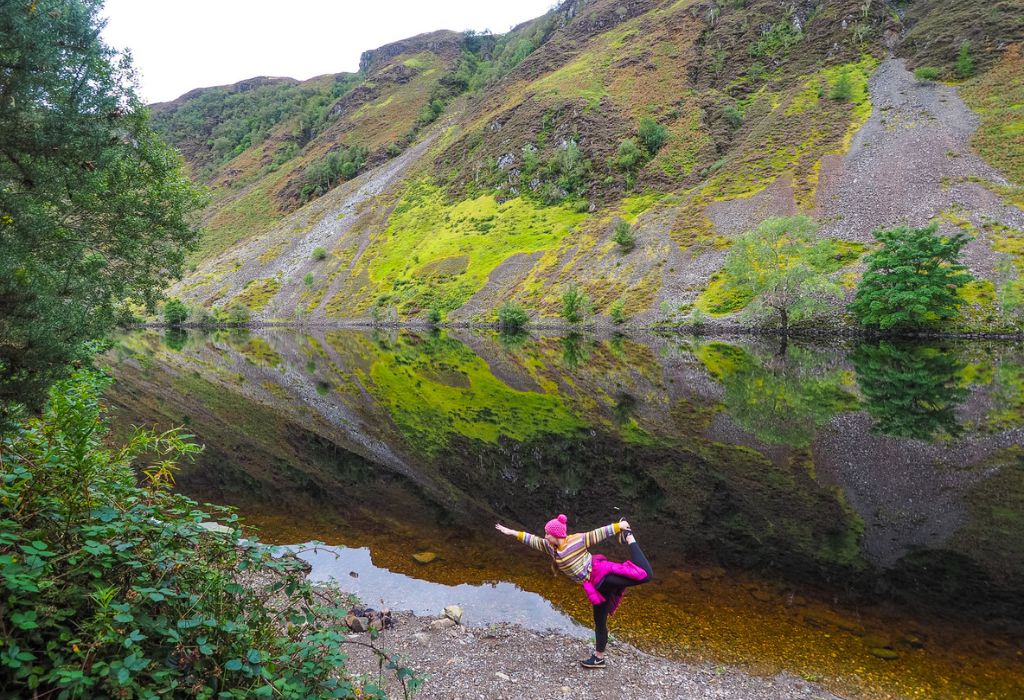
(357, 624)
(502, 676)
(443, 623)
(216, 527)
(454, 613)
(424, 557)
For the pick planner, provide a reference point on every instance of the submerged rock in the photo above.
(424, 557)
(882, 653)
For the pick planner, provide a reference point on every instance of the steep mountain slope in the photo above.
(492, 168)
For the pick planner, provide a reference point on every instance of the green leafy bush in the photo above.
(112, 589)
(238, 315)
(175, 312)
(912, 280)
(575, 304)
(733, 115)
(926, 74)
(565, 175)
(623, 235)
(652, 135)
(629, 157)
(781, 37)
(512, 317)
(319, 253)
(964, 64)
(308, 279)
(434, 316)
(617, 312)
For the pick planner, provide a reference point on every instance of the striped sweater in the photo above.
(572, 558)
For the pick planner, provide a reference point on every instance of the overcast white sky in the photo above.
(183, 44)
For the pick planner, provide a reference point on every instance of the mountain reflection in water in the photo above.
(804, 507)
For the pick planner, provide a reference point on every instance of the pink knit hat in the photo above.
(556, 526)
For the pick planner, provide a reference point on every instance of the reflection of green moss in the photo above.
(436, 386)
(257, 351)
(781, 400)
(910, 390)
(1008, 404)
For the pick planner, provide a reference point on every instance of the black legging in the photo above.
(612, 583)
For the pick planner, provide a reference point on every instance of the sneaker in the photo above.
(593, 662)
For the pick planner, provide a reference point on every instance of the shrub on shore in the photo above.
(512, 317)
(114, 589)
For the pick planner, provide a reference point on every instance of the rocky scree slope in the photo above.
(497, 167)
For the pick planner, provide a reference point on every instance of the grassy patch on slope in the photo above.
(438, 254)
(998, 98)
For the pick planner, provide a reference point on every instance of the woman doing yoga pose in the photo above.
(604, 581)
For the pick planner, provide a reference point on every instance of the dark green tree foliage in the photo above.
(175, 312)
(112, 589)
(733, 115)
(910, 390)
(912, 280)
(964, 64)
(623, 235)
(94, 208)
(629, 157)
(337, 166)
(512, 317)
(634, 154)
(843, 88)
(652, 135)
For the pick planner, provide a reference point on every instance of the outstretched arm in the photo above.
(602, 533)
(538, 543)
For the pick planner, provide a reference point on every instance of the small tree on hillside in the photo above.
(623, 235)
(912, 280)
(575, 304)
(175, 312)
(778, 265)
(652, 135)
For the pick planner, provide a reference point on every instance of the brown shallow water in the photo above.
(802, 506)
(709, 614)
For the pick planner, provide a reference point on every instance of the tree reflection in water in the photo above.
(783, 398)
(910, 390)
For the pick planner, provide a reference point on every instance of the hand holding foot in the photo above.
(626, 532)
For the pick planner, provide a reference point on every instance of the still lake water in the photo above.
(852, 513)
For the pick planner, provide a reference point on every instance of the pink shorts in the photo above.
(602, 567)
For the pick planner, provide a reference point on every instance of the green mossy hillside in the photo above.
(436, 253)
